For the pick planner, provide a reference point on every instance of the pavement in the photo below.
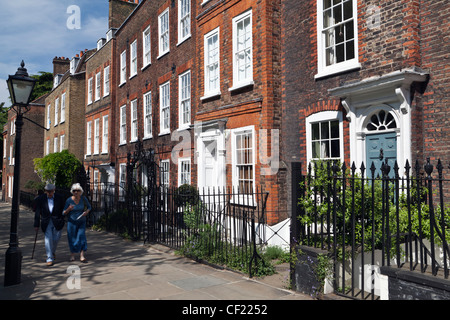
(119, 269)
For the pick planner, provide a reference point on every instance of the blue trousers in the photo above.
(52, 237)
(76, 234)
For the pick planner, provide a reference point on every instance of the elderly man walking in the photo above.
(48, 214)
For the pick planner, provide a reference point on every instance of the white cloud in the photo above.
(36, 32)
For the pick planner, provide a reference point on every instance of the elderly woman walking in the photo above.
(77, 208)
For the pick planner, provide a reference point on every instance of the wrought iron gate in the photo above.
(141, 191)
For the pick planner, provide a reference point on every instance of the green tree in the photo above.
(3, 114)
(43, 85)
(59, 168)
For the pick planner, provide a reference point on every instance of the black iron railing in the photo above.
(397, 218)
(218, 225)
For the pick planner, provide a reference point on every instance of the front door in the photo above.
(210, 169)
(210, 162)
(379, 147)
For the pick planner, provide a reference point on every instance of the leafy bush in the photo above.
(59, 168)
(363, 206)
(116, 222)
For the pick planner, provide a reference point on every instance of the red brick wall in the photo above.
(435, 57)
(258, 105)
(410, 34)
(166, 68)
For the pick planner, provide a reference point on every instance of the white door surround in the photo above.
(210, 156)
(367, 97)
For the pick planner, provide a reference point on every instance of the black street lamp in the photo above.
(20, 88)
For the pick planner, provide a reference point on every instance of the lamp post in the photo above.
(20, 87)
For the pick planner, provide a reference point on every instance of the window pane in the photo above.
(350, 50)
(316, 149)
(337, 14)
(325, 130)
(315, 131)
(334, 129)
(335, 151)
(329, 56)
(349, 33)
(340, 54)
(325, 149)
(348, 9)
(327, 18)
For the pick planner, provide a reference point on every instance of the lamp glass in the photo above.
(21, 91)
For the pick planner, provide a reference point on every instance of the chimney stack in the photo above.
(60, 65)
(119, 10)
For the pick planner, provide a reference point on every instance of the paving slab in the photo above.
(118, 269)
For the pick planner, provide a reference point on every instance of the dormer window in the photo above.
(57, 80)
(110, 34)
(100, 43)
(74, 64)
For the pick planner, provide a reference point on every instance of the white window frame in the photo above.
(323, 116)
(347, 65)
(163, 33)
(146, 48)
(239, 83)
(133, 59)
(95, 196)
(96, 136)
(123, 67)
(147, 111)
(134, 120)
(55, 144)
(215, 60)
(89, 138)
(164, 106)
(63, 108)
(106, 81)
(62, 142)
(56, 111)
(90, 90)
(47, 147)
(13, 127)
(184, 177)
(11, 156)
(184, 97)
(122, 181)
(105, 134)
(243, 198)
(184, 20)
(98, 85)
(165, 173)
(10, 186)
(123, 125)
(49, 119)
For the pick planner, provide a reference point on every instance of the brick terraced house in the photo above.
(239, 98)
(32, 144)
(236, 93)
(100, 144)
(64, 106)
(154, 58)
(363, 79)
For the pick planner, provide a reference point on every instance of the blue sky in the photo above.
(38, 30)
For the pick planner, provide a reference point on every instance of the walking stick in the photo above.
(35, 239)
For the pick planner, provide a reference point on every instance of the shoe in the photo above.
(83, 260)
(49, 264)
